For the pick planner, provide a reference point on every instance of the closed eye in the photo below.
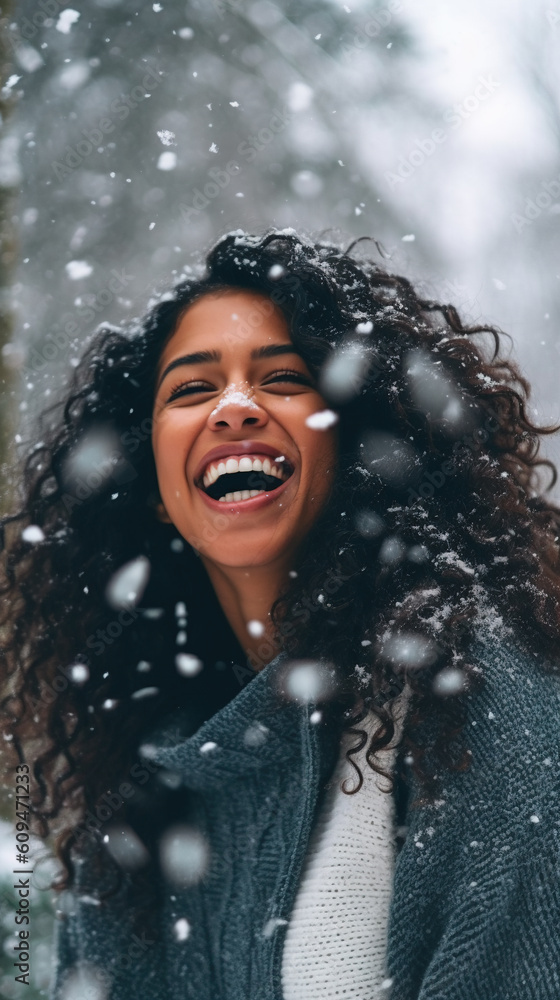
(290, 377)
(189, 388)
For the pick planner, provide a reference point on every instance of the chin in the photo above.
(237, 553)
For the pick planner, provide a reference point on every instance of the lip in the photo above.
(254, 503)
(245, 447)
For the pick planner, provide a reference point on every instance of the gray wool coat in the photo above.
(476, 906)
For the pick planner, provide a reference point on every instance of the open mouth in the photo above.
(242, 478)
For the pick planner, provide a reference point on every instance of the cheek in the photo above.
(167, 453)
(320, 448)
(320, 463)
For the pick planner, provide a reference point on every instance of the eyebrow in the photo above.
(199, 357)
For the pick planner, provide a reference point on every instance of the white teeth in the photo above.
(244, 495)
(242, 464)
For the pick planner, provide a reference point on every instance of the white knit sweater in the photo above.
(336, 940)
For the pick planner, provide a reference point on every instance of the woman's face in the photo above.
(237, 398)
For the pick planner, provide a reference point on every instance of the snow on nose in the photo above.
(237, 395)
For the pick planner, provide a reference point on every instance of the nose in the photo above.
(237, 408)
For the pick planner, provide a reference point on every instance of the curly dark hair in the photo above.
(436, 520)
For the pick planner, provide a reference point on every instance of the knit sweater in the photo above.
(475, 909)
(341, 912)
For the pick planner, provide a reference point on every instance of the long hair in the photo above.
(437, 508)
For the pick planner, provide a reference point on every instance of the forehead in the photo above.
(235, 318)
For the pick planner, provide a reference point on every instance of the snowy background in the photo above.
(145, 131)
(142, 132)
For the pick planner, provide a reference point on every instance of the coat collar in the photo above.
(257, 729)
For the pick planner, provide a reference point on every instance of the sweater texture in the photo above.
(337, 935)
(475, 909)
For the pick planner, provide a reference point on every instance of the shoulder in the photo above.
(477, 876)
(496, 823)
(512, 738)
(517, 707)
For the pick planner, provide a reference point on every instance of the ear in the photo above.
(161, 513)
(155, 502)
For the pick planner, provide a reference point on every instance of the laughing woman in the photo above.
(280, 637)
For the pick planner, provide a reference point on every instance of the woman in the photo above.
(281, 646)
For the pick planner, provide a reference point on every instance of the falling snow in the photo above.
(409, 650)
(344, 373)
(125, 847)
(79, 673)
(167, 138)
(127, 585)
(184, 855)
(77, 269)
(188, 665)
(66, 19)
(308, 681)
(322, 420)
(181, 929)
(449, 681)
(146, 692)
(167, 161)
(33, 533)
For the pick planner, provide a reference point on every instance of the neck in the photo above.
(247, 594)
